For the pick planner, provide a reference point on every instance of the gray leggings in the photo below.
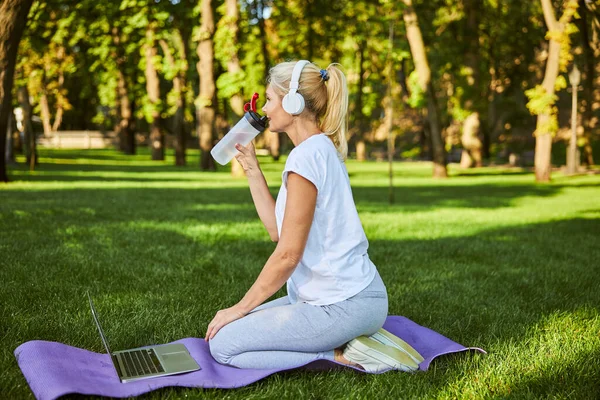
(281, 335)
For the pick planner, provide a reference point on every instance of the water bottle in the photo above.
(250, 125)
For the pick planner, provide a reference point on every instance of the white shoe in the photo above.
(376, 357)
(389, 339)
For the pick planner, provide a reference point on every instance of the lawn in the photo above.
(487, 258)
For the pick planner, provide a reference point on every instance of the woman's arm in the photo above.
(299, 213)
(263, 200)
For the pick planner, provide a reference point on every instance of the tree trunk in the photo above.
(131, 143)
(543, 149)
(9, 156)
(126, 133)
(125, 123)
(13, 18)
(424, 142)
(470, 140)
(275, 141)
(543, 138)
(233, 66)
(417, 48)
(588, 121)
(361, 147)
(437, 143)
(58, 117)
(405, 93)
(543, 145)
(310, 34)
(178, 88)
(361, 150)
(45, 111)
(206, 102)
(28, 133)
(60, 98)
(475, 101)
(157, 137)
(181, 134)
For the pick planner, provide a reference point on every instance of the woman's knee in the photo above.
(219, 348)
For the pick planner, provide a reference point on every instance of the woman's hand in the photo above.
(247, 158)
(222, 318)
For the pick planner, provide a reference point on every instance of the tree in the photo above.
(29, 135)
(206, 101)
(417, 48)
(258, 8)
(124, 127)
(474, 102)
(542, 98)
(47, 60)
(13, 19)
(591, 52)
(230, 83)
(153, 115)
(178, 71)
(176, 50)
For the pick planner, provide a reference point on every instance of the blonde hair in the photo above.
(326, 100)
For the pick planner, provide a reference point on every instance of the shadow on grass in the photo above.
(482, 195)
(93, 172)
(125, 172)
(178, 203)
(493, 171)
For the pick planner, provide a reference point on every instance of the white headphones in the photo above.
(293, 102)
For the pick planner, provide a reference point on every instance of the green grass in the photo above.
(487, 258)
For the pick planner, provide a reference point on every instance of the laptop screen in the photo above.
(98, 325)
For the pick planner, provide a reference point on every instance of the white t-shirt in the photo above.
(335, 265)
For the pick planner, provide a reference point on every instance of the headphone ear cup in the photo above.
(293, 103)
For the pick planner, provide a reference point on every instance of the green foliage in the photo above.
(102, 38)
(149, 109)
(230, 84)
(107, 94)
(417, 95)
(413, 153)
(253, 65)
(560, 83)
(202, 102)
(457, 111)
(540, 101)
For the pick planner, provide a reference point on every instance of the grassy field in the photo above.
(487, 258)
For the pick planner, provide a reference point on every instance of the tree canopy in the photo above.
(142, 68)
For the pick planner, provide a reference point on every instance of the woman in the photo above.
(335, 293)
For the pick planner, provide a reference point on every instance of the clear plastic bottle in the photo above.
(250, 125)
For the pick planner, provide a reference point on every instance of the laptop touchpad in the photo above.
(180, 359)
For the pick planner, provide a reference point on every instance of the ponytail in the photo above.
(335, 121)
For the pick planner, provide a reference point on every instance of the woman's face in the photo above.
(279, 120)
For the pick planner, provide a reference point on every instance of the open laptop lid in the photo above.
(98, 325)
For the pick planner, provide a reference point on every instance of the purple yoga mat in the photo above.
(55, 369)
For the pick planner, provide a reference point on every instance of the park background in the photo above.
(502, 254)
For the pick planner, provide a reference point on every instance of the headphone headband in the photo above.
(295, 80)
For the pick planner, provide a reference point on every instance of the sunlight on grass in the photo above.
(560, 344)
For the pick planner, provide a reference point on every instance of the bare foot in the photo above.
(339, 357)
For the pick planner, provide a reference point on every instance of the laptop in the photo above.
(150, 361)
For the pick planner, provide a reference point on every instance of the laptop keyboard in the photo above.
(141, 362)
